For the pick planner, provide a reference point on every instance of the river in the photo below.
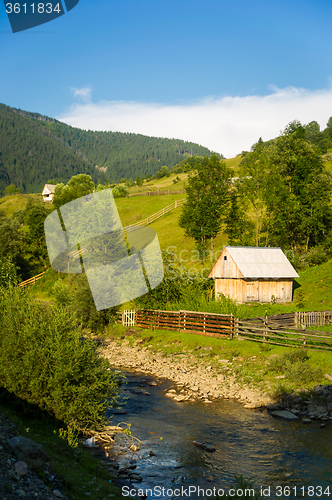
(273, 452)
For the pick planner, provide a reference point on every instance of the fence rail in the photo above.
(279, 329)
(270, 332)
(158, 193)
(208, 324)
(31, 281)
(157, 215)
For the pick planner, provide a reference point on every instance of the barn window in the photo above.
(225, 257)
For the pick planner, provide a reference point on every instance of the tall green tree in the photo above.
(240, 228)
(251, 187)
(78, 186)
(35, 249)
(208, 196)
(298, 191)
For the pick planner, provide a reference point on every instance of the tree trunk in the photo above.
(307, 244)
(257, 221)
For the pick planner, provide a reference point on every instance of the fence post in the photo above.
(236, 327)
(265, 328)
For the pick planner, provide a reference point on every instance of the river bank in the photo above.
(194, 379)
(202, 375)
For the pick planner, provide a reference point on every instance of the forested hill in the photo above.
(35, 149)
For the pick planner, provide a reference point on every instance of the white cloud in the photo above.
(227, 125)
(84, 93)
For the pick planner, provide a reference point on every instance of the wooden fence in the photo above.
(300, 319)
(31, 281)
(208, 324)
(273, 332)
(283, 320)
(158, 193)
(318, 318)
(277, 330)
(157, 215)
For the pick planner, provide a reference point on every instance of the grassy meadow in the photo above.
(314, 283)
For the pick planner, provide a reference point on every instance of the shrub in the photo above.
(61, 293)
(120, 191)
(44, 361)
(83, 307)
(8, 272)
(315, 256)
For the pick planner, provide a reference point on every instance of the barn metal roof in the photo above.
(48, 189)
(258, 262)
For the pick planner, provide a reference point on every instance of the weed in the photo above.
(70, 435)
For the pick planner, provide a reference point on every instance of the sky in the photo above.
(216, 72)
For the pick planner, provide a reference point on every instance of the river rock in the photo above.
(204, 446)
(285, 414)
(273, 406)
(21, 468)
(253, 405)
(306, 421)
(136, 477)
(179, 398)
(30, 452)
(58, 494)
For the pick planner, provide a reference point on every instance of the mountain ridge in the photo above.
(35, 149)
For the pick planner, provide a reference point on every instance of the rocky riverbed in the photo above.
(195, 379)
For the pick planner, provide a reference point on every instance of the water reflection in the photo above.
(252, 443)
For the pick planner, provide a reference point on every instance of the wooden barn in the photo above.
(249, 274)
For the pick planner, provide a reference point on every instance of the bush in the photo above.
(44, 361)
(120, 191)
(8, 272)
(83, 307)
(61, 293)
(314, 257)
(296, 367)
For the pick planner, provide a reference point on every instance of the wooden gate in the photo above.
(128, 318)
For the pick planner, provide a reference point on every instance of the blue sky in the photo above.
(221, 73)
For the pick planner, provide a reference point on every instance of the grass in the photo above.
(316, 284)
(78, 471)
(16, 202)
(234, 163)
(134, 209)
(162, 184)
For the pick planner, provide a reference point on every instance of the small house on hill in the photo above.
(48, 192)
(249, 274)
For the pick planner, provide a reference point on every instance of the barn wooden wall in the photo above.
(261, 290)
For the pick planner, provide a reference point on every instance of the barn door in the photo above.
(252, 291)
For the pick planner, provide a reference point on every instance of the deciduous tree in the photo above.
(208, 196)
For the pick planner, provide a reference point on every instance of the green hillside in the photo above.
(30, 155)
(35, 149)
(316, 287)
(314, 284)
